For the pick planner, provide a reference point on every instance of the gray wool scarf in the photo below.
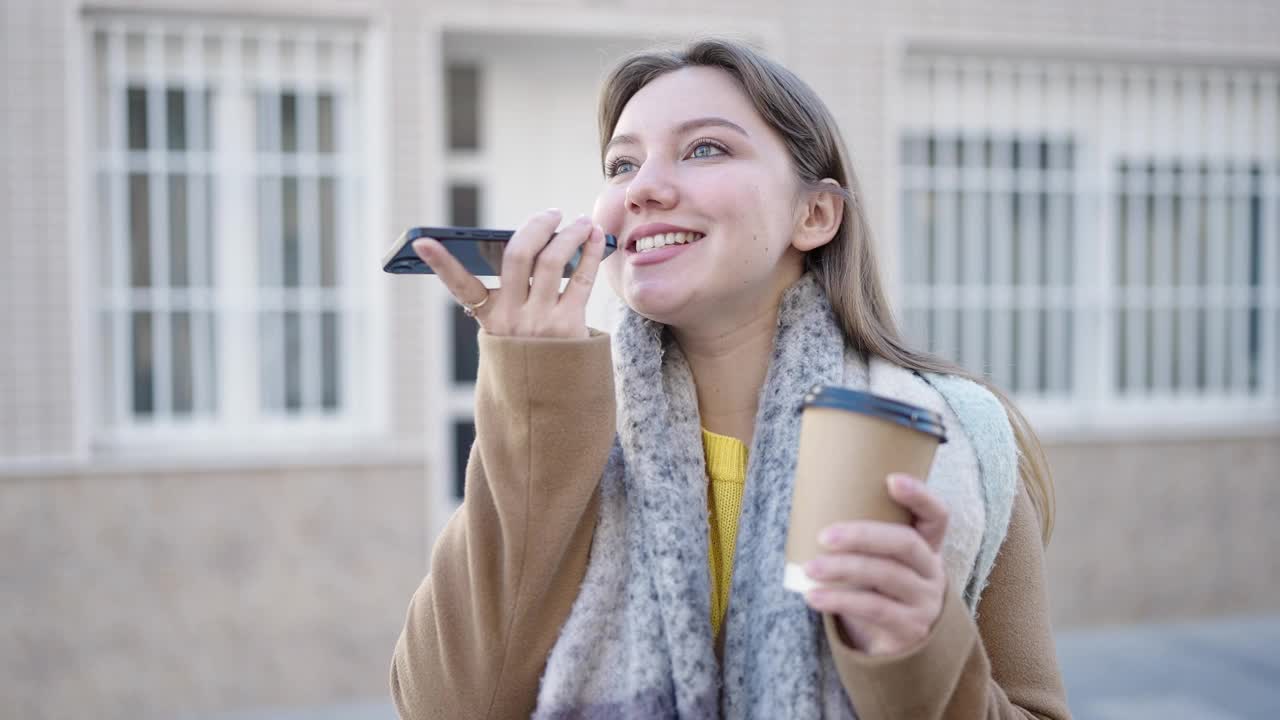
(638, 641)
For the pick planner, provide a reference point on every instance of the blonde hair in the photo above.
(846, 267)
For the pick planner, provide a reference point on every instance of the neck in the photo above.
(729, 365)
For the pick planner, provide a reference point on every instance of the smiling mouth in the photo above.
(661, 240)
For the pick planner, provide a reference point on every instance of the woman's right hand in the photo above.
(529, 303)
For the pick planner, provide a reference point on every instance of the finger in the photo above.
(930, 514)
(584, 277)
(902, 543)
(869, 607)
(869, 572)
(465, 287)
(524, 246)
(548, 268)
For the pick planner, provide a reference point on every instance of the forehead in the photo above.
(691, 92)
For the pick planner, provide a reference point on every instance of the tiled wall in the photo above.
(1151, 531)
(36, 323)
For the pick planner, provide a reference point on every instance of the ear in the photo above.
(818, 218)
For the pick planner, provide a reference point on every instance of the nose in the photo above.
(652, 188)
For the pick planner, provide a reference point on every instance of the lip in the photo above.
(648, 229)
(651, 257)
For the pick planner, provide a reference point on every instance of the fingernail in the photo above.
(553, 211)
(900, 482)
(582, 220)
(827, 537)
(813, 569)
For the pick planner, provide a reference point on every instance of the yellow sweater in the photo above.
(727, 472)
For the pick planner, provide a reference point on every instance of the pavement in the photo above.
(1205, 670)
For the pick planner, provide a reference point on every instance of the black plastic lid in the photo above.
(909, 416)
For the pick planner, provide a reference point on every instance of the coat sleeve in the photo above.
(506, 569)
(1002, 666)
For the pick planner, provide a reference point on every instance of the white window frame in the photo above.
(469, 166)
(1094, 404)
(240, 425)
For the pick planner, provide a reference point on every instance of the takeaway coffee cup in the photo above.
(850, 441)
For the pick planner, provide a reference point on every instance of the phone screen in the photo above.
(479, 250)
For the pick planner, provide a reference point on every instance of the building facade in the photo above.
(227, 440)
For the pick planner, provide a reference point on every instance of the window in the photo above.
(227, 162)
(1188, 261)
(464, 436)
(462, 87)
(1101, 239)
(988, 265)
(299, 316)
(465, 205)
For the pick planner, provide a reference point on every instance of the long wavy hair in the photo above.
(846, 267)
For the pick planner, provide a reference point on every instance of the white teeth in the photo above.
(653, 242)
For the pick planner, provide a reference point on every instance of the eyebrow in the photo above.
(681, 129)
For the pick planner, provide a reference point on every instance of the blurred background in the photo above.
(227, 440)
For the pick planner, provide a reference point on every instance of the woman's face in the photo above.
(692, 162)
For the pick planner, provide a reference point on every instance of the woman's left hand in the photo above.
(884, 582)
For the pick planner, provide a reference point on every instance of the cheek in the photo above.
(610, 210)
(758, 218)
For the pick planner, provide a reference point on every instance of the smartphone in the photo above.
(479, 250)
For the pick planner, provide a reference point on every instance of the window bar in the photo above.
(1137, 189)
(1240, 185)
(271, 169)
(117, 145)
(345, 58)
(913, 189)
(158, 183)
(1000, 180)
(928, 199)
(1082, 95)
(310, 287)
(1105, 219)
(916, 175)
(1218, 237)
(946, 196)
(1269, 147)
(973, 232)
(1057, 242)
(1162, 247)
(1191, 188)
(236, 235)
(199, 176)
(1029, 184)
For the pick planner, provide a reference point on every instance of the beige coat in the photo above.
(506, 569)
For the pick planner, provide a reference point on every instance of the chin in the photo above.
(661, 301)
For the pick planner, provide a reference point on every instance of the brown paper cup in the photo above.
(850, 442)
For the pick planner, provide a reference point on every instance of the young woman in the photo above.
(619, 555)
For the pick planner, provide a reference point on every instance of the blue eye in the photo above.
(706, 149)
(618, 165)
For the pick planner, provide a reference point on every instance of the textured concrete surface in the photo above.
(151, 595)
(1209, 670)
(1214, 670)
